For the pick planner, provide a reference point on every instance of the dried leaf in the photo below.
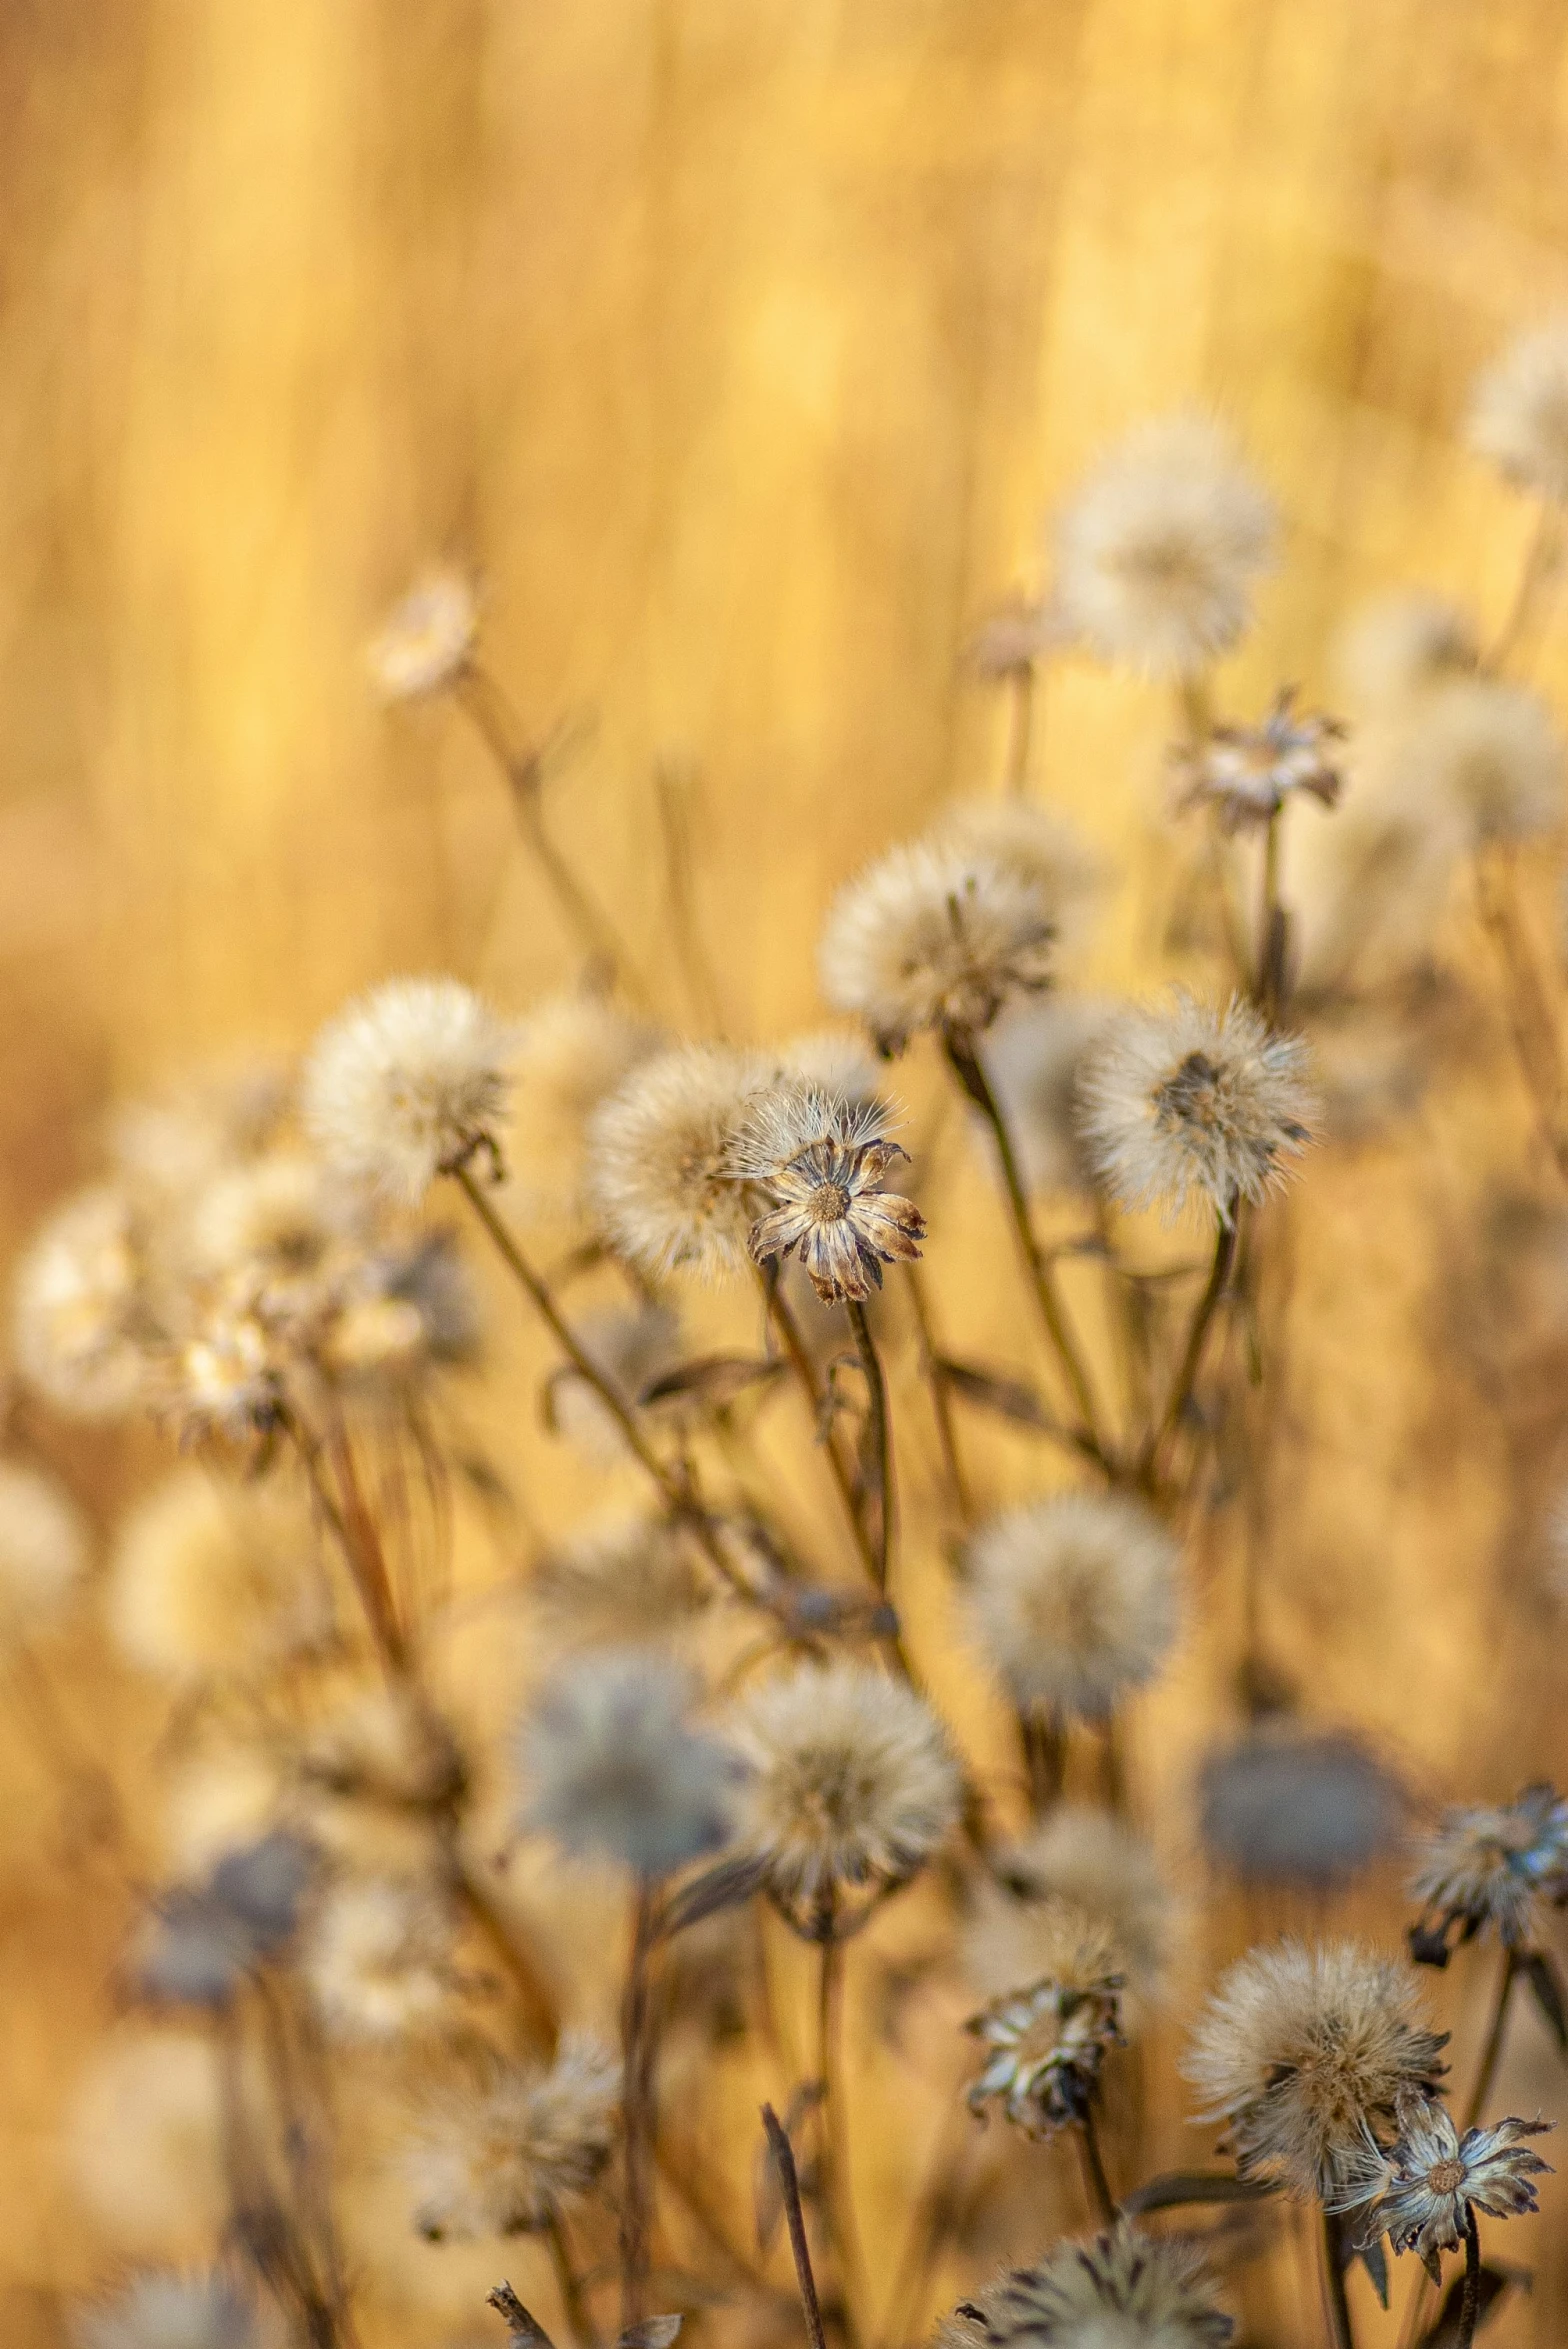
(1544, 1981)
(714, 1379)
(1375, 2260)
(726, 1885)
(526, 2330)
(1496, 2281)
(1177, 2189)
(990, 1390)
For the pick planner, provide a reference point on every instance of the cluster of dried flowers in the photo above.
(504, 1928)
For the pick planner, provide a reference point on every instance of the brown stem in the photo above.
(880, 1434)
(1470, 2303)
(1493, 2049)
(637, 2113)
(1273, 927)
(1101, 2200)
(801, 1367)
(1192, 1355)
(789, 2186)
(969, 1069)
(1044, 1741)
(837, 2200)
(1532, 1023)
(570, 2285)
(941, 1400)
(1021, 679)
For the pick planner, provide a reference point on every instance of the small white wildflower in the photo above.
(1519, 412)
(1420, 2190)
(1158, 550)
(407, 1083)
(429, 637)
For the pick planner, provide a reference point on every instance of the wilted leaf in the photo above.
(1375, 2260)
(1496, 2282)
(990, 1390)
(724, 1886)
(714, 1379)
(1177, 2189)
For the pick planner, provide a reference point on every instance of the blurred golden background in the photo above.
(740, 351)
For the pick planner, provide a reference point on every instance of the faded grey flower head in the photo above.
(1418, 2190)
(614, 1771)
(1483, 1868)
(1246, 773)
(1045, 2044)
(1287, 1809)
(1125, 2290)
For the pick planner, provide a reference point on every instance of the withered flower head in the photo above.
(503, 2149)
(1074, 1599)
(850, 1784)
(1483, 1868)
(1183, 1101)
(1044, 2045)
(1079, 1864)
(407, 1083)
(1247, 773)
(659, 1159)
(1519, 412)
(1125, 2290)
(935, 935)
(823, 1165)
(1287, 1809)
(1302, 2051)
(613, 1770)
(1418, 2190)
(428, 640)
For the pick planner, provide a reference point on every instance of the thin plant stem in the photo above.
(1044, 1741)
(91, 1806)
(799, 1359)
(1269, 987)
(638, 2119)
(1532, 1022)
(880, 1433)
(941, 1400)
(1487, 2069)
(794, 2218)
(1020, 728)
(1470, 2302)
(1102, 2201)
(702, 986)
(1192, 1354)
(569, 2284)
(970, 1070)
(522, 767)
(837, 2200)
(1340, 2332)
(1535, 572)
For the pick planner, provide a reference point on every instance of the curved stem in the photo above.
(1102, 2200)
(1341, 2333)
(1192, 1355)
(837, 2201)
(941, 1400)
(637, 2113)
(967, 1066)
(574, 2301)
(799, 1359)
(1470, 2302)
(880, 1432)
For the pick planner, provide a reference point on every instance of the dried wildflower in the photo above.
(1398, 646)
(504, 2150)
(1487, 751)
(1421, 2188)
(1035, 1060)
(216, 1580)
(1074, 1600)
(1519, 412)
(407, 1083)
(401, 1312)
(619, 1584)
(1287, 1809)
(1079, 1867)
(1494, 1868)
(1301, 2051)
(43, 1549)
(573, 1051)
(1029, 843)
(1158, 550)
(273, 1220)
(1185, 1102)
(78, 1317)
(1123, 2291)
(378, 1959)
(165, 2311)
(143, 2138)
(1045, 2045)
(935, 936)
(850, 1783)
(659, 1159)
(429, 638)
(823, 1166)
(229, 1380)
(833, 1061)
(1246, 773)
(613, 1770)
(199, 1941)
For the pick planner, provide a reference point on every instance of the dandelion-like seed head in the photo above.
(1045, 2045)
(620, 1584)
(850, 1783)
(1247, 773)
(1519, 412)
(378, 1960)
(159, 2310)
(407, 1083)
(1185, 1102)
(1484, 1869)
(1395, 648)
(1158, 551)
(1486, 753)
(1074, 1600)
(832, 1061)
(429, 638)
(211, 1579)
(1029, 843)
(43, 1549)
(1125, 2290)
(936, 936)
(612, 1769)
(659, 1159)
(1081, 1866)
(77, 1311)
(1287, 1809)
(823, 1165)
(573, 1051)
(1418, 2190)
(504, 2150)
(1302, 2051)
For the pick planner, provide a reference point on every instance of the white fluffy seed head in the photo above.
(277, 1217)
(505, 2147)
(406, 1082)
(1184, 1102)
(1487, 751)
(428, 639)
(1126, 2290)
(659, 1160)
(1304, 2051)
(378, 1960)
(573, 1051)
(212, 1580)
(1158, 550)
(1029, 842)
(1079, 1863)
(76, 1308)
(1519, 412)
(934, 935)
(1397, 647)
(850, 1782)
(1074, 1601)
(612, 1770)
(43, 1549)
(833, 1061)
(169, 2311)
